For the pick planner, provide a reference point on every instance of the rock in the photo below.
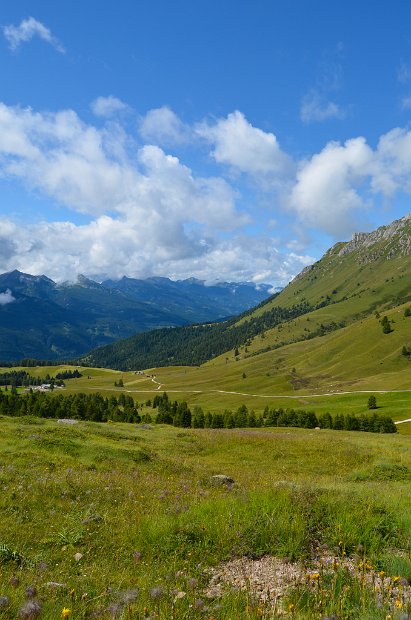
(91, 518)
(220, 479)
(67, 421)
(78, 557)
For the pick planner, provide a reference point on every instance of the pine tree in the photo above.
(372, 402)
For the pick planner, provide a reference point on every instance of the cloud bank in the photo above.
(146, 212)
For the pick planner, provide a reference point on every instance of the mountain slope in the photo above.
(352, 280)
(41, 319)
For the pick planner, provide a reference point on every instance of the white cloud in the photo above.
(6, 298)
(150, 214)
(325, 194)
(107, 106)
(315, 109)
(246, 148)
(162, 126)
(392, 167)
(28, 29)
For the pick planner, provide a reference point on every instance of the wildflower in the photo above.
(291, 607)
(30, 611)
(193, 582)
(395, 579)
(30, 592)
(398, 604)
(315, 576)
(4, 602)
(381, 574)
(156, 592)
(129, 596)
(66, 612)
(137, 555)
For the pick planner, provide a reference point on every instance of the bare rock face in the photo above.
(390, 241)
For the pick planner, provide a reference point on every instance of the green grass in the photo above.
(139, 505)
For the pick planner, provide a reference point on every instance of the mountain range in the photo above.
(41, 319)
(325, 323)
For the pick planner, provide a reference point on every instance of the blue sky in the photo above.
(229, 140)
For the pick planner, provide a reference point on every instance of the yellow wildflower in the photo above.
(291, 607)
(398, 604)
(66, 612)
(381, 574)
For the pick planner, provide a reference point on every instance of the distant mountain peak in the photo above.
(86, 282)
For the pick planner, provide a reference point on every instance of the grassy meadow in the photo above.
(124, 521)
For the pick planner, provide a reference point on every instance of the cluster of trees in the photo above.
(386, 325)
(80, 406)
(21, 378)
(69, 374)
(179, 414)
(192, 345)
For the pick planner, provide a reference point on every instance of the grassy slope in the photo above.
(109, 491)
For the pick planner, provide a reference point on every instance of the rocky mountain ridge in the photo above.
(395, 238)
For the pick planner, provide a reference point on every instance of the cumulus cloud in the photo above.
(248, 149)
(26, 30)
(162, 126)
(6, 298)
(326, 193)
(148, 213)
(107, 106)
(316, 108)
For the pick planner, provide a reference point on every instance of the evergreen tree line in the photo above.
(179, 414)
(97, 408)
(21, 378)
(79, 406)
(29, 362)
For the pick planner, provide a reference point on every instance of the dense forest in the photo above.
(95, 407)
(189, 346)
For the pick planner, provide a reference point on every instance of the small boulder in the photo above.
(221, 479)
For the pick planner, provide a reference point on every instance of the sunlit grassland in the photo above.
(139, 505)
(205, 387)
